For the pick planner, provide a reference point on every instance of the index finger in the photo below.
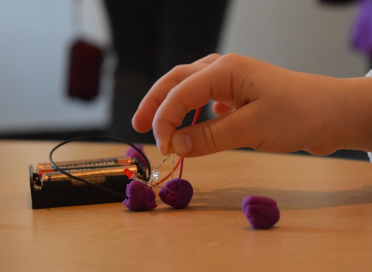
(213, 82)
(143, 118)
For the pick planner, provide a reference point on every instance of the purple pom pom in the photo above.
(180, 195)
(261, 212)
(140, 197)
(362, 33)
(133, 153)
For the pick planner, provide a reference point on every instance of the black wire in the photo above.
(147, 178)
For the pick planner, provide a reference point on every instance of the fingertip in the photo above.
(215, 108)
(163, 131)
(141, 125)
(220, 108)
(182, 144)
(163, 150)
(171, 149)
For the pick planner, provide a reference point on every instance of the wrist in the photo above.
(357, 114)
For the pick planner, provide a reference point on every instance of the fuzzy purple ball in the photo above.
(140, 197)
(133, 153)
(261, 212)
(180, 195)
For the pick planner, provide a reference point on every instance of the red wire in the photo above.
(180, 160)
(181, 168)
(169, 174)
(196, 117)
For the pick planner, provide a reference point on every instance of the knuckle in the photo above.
(178, 69)
(214, 55)
(230, 58)
(172, 91)
(174, 97)
(155, 122)
(209, 135)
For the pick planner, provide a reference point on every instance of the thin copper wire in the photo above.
(170, 173)
(180, 160)
(172, 165)
(166, 158)
(196, 117)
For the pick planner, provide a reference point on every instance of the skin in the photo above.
(259, 105)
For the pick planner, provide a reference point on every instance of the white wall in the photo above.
(34, 36)
(34, 40)
(299, 35)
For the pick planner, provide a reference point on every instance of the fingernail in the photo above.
(182, 143)
(170, 148)
(163, 152)
(157, 144)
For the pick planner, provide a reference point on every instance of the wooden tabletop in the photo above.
(325, 225)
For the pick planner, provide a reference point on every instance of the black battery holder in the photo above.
(66, 194)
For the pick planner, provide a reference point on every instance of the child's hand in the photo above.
(260, 106)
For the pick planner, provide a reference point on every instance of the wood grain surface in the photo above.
(325, 225)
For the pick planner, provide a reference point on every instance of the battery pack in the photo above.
(54, 189)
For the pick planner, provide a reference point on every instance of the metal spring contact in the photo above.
(154, 175)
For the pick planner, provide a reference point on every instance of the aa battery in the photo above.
(89, 163)
(84, 165)
(98, 176)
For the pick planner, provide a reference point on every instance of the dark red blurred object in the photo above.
(84, 70)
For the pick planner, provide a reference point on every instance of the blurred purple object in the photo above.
(140, 197)
(336, 1)
(180, 195)
(362, 31)
(261, 212)
(131, 152)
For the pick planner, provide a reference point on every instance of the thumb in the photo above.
(229, 131)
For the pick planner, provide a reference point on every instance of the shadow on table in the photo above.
(230, 199)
